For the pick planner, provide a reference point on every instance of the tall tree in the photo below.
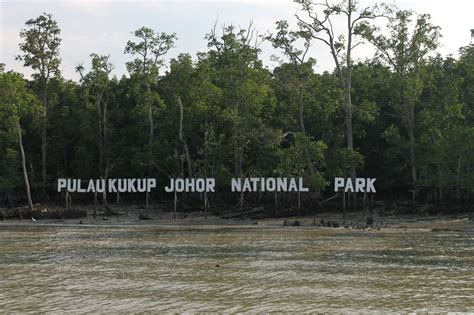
(318, 22)
(189, 85)
(96, 82)
(16, 102)
(40, 51)
(442, 134)
(286, 40)
(406, 51)
(150, 48)
(245, 84)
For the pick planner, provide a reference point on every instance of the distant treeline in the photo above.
(404, 116)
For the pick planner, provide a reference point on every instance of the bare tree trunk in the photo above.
(312, 169)
(103, 164)
(349, 133)
(182, 139)
(23, 165)
(301, 106)
(348, 87)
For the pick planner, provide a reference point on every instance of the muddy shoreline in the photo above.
(354, 221)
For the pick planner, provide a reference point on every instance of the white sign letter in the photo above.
(151, 183)
(61, 184)
(370, 185)
(338, 183)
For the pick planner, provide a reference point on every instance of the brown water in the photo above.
(108, 269)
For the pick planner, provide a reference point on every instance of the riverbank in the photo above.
(354, 221)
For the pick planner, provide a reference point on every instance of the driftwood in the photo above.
(328, 199)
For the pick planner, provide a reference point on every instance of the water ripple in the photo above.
(97, 269)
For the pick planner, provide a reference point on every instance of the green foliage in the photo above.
(16, 103)
(150, 48)
(40, 46)
(293, 160)
(239, 118)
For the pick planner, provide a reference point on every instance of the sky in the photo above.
(104, 26)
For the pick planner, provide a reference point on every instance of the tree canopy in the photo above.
(405, 115)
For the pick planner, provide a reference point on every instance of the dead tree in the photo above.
(23, 165)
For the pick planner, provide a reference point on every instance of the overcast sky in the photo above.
(103, 27)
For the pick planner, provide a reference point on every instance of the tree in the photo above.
(247, 98)
(286, 40)
(293, 159)
(96, 82)
(405, 51)
(224, 114)
(189, 85)
(15, 102)
(180, 87)
(320, 26)
(150, 48)
(440, 128)
(40, 48)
